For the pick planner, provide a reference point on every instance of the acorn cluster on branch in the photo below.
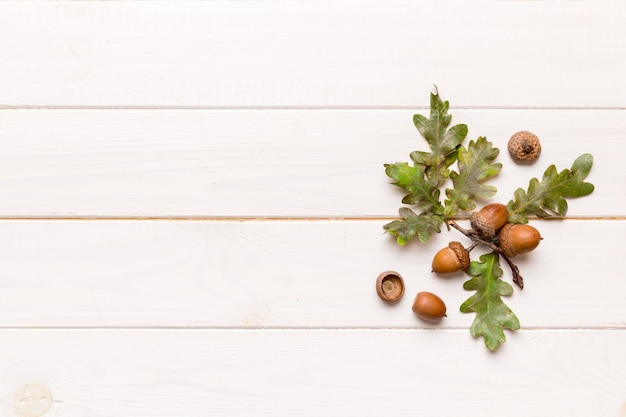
(490, 226)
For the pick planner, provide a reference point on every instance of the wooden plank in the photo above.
(312, 53)
(276, 274)
(312, 373)
(323, 163)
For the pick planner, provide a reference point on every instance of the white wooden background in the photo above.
(192, 200)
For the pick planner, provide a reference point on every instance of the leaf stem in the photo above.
(517, 277)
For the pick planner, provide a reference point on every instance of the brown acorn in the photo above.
(489, 219)
(452, 258)
(516, 239)
(429, 307)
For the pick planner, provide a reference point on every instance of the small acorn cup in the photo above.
(524, 147)
(390, 286)
(489, 219)
(516, 239)
(450, 259)
(429, 307)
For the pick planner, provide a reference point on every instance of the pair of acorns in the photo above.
(426, 305)
(490, 224)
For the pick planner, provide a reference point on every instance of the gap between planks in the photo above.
(305, 108)
(303, 328)
(263, 218)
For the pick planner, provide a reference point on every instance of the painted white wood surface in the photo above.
(285, 163)
(194, 121)
(282, 274)
(307, 372)
(312, 53)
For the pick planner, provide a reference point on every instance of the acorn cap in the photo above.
(489, 219)
(504, 240)
(390, 286)
(461, 253)
(524, 147)
(478, 222)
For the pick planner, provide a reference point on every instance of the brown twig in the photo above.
(472, 246)
(517, 277)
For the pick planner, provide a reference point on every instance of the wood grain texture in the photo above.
(308, 372)
(275, 274)
(312, 53)
(322, 163)
(196, 120)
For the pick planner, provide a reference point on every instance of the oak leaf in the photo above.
(413, 225)
(492, 315)
(547, 198)
(475, 165)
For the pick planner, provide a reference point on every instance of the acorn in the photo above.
(524, 147)
(516, 239)
(489, 219)
(452, 258)
(429, 307)
(390, 286)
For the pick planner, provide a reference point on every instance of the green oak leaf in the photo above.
(547, 198)
(421, 225)
(475, 165)
(423, 191)
(442, 141)
(492, 315)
